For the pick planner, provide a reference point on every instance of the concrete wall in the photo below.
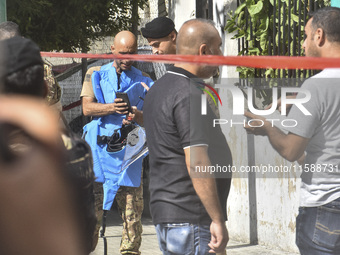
(262, 208)
(182, 11)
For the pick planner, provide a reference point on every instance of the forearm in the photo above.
(204, 183)
(284, 144)
(97, 109)
(206, 189)
(207, 192)
(290, 146)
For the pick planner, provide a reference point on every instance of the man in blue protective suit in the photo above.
(99, 101)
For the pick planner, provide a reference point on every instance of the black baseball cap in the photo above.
(158, 28)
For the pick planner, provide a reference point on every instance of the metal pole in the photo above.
(3, 11)
(252, 196)
(200, 4)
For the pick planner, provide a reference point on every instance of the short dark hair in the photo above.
(328, 19)
(9, 29)
(29, 81)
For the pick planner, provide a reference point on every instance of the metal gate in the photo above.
(285, 35)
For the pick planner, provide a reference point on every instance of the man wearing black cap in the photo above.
(24, 75)
(10, 29)
(39, 169)
(24, 68)
(161, 35)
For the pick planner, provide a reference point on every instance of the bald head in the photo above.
(125, 42)
(195, 33)
(199, 37)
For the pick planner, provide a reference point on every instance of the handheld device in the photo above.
(125, 98)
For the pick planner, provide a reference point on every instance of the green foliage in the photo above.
(70, 24)
(254, 21)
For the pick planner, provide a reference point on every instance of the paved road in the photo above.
(150, 244)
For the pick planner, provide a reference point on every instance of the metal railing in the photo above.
(286, 34)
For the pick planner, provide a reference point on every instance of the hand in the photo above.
(130, 116)
(257, 124)
(145, 86)
(301, 160)
(288, 106)
(120, 106)
(219, 237)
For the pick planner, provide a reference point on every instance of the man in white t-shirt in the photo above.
(317, 135)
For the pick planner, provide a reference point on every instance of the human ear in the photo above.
(173, 36)
(203, 49)
(320, 37)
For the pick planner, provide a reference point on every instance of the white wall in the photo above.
(183, 10)
(271, 204)
(267, 206)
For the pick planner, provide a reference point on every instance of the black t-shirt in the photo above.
(173, 121)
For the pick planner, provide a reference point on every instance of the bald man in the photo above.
(188, 206)
(100, 102)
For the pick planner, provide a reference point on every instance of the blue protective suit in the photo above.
(107, 166)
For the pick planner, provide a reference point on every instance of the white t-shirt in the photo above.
(321, 176)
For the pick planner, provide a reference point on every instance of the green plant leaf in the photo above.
(267, 23)
(254, 50)
(240, 34)
(239, 69)
(232, 29)
(263, 41)
(229, 24)
(240, 8)
(268, 73)
(250, 2)
(251, 44)
(255, 9)
(258, 33)
(240, 19)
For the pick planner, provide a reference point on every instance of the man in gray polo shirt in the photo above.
(317, 135)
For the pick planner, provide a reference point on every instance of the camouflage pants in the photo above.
(98, 199)
(130, 206)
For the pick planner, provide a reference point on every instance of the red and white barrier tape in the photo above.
(276, 62)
